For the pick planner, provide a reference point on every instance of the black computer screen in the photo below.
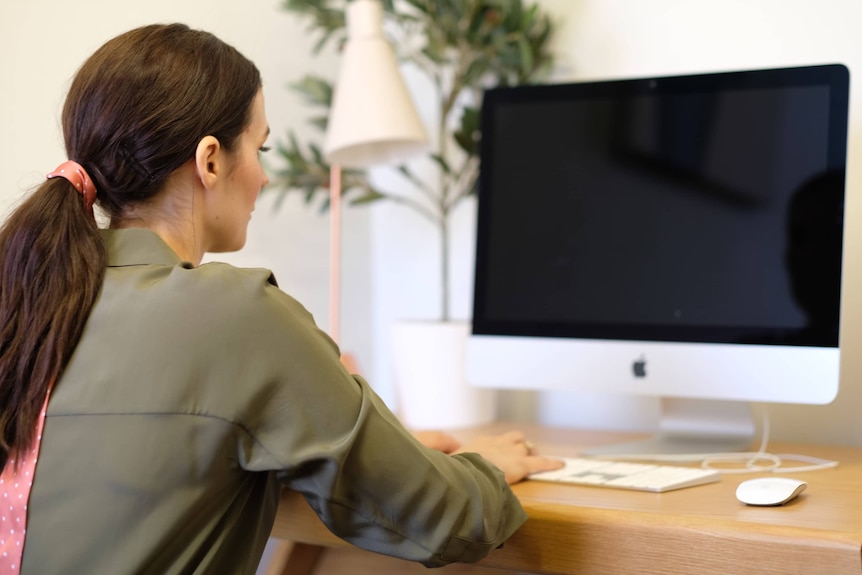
(689, 208)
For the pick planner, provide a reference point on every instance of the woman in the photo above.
(180, 397)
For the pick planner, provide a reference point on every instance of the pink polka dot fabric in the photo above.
(15, 484)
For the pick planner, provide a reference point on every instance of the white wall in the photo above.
(603, 39)
(390, 253)
(42, 43)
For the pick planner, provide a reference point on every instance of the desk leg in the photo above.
(291, 558)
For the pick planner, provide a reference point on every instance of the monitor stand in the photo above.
(687, 429)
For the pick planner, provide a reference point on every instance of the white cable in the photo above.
(752, 460)
(759, 461)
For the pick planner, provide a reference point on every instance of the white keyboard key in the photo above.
(625, 475)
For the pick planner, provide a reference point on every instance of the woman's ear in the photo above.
(208, 158)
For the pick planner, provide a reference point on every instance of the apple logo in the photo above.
(639, 367)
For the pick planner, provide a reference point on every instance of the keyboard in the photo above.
(627, 475)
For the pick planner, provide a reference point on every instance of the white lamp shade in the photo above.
(373, 120)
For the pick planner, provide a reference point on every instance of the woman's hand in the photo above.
(512, 453)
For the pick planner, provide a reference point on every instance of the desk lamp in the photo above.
(372, 121)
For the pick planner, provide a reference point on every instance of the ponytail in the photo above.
(52, 262)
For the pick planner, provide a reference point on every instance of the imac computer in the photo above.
(678, 237)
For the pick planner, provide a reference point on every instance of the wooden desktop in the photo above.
(704, 529)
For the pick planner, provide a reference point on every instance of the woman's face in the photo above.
(244, 179)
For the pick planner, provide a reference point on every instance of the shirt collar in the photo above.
(136, 246)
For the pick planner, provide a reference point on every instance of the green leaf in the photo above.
(320, 122)
(368, 197)
(314, 90)
(526, 56)
(528, 20)
(279, 200)
(467, 135)
(328, 20)
(317, 154)
(310, 191)
(441, 161)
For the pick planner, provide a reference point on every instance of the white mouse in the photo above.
(769, 490)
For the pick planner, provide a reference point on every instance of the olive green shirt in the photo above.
(194, 394)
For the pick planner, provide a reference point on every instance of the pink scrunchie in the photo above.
(77, 176)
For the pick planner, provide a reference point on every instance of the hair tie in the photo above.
(77, 176)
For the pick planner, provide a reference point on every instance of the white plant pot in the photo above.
(432, 391)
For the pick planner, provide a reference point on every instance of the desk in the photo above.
(600, 531)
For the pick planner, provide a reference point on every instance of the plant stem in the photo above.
(443, 201)
(444, 233)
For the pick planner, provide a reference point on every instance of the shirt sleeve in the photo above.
(330, 437)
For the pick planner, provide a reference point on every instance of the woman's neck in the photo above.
(172, 216)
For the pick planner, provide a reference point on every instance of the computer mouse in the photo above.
(769, 490)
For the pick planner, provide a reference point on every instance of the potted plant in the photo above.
(461, 47)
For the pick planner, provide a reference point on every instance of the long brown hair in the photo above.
(134, 113)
